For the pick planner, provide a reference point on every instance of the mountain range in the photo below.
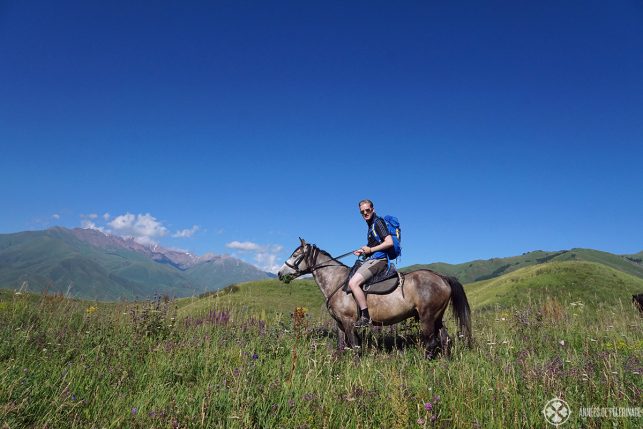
(87, 263)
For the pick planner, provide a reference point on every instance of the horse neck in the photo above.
(330, 274)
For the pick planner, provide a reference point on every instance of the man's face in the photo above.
(367, 211)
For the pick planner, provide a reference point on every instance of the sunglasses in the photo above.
(366, 211)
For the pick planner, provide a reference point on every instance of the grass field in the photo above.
(248, 358)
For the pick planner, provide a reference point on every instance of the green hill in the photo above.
(479, 270)
(591, 283)
(260, 297)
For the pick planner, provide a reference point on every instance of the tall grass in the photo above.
(70, 364)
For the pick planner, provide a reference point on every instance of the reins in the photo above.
(332, 294)
(310, 258)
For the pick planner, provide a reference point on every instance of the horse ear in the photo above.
(303, 242)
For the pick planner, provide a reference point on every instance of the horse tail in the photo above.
(461, 309)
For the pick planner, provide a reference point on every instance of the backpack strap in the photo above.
(377, 237)
(374, 232)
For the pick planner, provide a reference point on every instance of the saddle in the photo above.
(381, 284)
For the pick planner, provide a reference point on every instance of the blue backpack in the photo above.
(394, 229)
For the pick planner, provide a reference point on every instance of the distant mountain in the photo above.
(479, 270)
(90, 264)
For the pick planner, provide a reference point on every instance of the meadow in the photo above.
(262, 355)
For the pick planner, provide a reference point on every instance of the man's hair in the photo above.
(369, 202)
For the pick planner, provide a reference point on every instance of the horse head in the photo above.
(300, 262)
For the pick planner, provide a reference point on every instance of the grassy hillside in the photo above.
(239, 360)
(571, 281)
(260, 298)
(486, 269)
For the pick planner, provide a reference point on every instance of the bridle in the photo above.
(310, 257)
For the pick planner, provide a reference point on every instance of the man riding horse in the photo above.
(377, 258)
(423, 294)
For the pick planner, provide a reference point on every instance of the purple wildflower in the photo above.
(255, 356)
(428, 406)
(420, 421)
(436, 398)
(134, 411)
(73, 397)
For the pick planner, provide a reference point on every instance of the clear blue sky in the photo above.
(489, 128)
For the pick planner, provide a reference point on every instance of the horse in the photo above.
(638, 302)
(423, 294)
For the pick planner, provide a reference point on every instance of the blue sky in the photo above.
(488, 128)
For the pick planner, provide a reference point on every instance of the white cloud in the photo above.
(55, 216)
(144, 228)
(267, 262)
(186, 233)
(265, 255)
(106, 216)
(245, 245)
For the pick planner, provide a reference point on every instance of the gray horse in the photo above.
(424, 294)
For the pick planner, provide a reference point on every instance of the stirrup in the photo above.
(363, 322)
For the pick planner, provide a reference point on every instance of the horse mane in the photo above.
(330, 256)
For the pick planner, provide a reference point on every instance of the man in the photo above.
(376, 261)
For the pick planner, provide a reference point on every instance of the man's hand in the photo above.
(365, 250)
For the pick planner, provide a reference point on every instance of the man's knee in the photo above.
(356, 281)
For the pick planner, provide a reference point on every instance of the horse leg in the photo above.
(443, 335)
(341, 338)
(352, 338)
(431, 344)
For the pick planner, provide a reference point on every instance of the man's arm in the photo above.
(384, 245)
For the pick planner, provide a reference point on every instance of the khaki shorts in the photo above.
(370, 267)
